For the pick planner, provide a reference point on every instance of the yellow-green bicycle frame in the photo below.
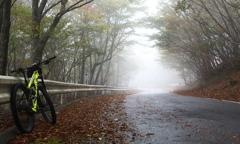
(34, 80)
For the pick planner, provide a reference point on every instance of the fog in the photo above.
(150, 72)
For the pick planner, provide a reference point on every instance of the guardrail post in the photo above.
(103, 91)
(75, 95)
(61, 99)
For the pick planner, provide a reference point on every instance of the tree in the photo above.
(44, 8)
(20, 37)
(199, 36)
(5, 23)
(85, 40)
(111, 41)
(100, 34)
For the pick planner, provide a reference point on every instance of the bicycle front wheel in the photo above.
(21, 108)
(46, 106)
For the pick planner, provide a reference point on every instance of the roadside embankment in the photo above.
(223, 87)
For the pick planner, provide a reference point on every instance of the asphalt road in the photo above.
(161, 117)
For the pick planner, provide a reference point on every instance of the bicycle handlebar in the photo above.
(45, 62)
(34, 65)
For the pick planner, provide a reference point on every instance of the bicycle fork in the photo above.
(33, 99)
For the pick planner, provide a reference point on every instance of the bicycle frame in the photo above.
(33, 80)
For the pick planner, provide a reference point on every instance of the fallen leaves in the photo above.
(95, 120)
(220, 88)
(150, 134)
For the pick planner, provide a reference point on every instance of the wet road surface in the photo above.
(161, 117)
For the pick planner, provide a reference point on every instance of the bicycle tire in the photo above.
(21, 108)
(46, 106)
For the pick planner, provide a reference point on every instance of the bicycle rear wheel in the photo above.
(46, 106)
(21, 109)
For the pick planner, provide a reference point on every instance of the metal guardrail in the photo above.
(53, 87)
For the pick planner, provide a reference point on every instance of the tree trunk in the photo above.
(98, 73)
(83, 67)
(105, 77)
(2, 2)
(5, 25)
(36, 20)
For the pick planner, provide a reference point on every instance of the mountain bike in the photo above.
(30, 98)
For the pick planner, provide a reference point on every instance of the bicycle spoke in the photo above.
(46, 106)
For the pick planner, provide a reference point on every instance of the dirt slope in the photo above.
(223, 87)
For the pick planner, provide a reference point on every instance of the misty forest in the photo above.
(198, 38)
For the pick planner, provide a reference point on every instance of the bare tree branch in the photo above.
(47, 10)
(74, 6)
